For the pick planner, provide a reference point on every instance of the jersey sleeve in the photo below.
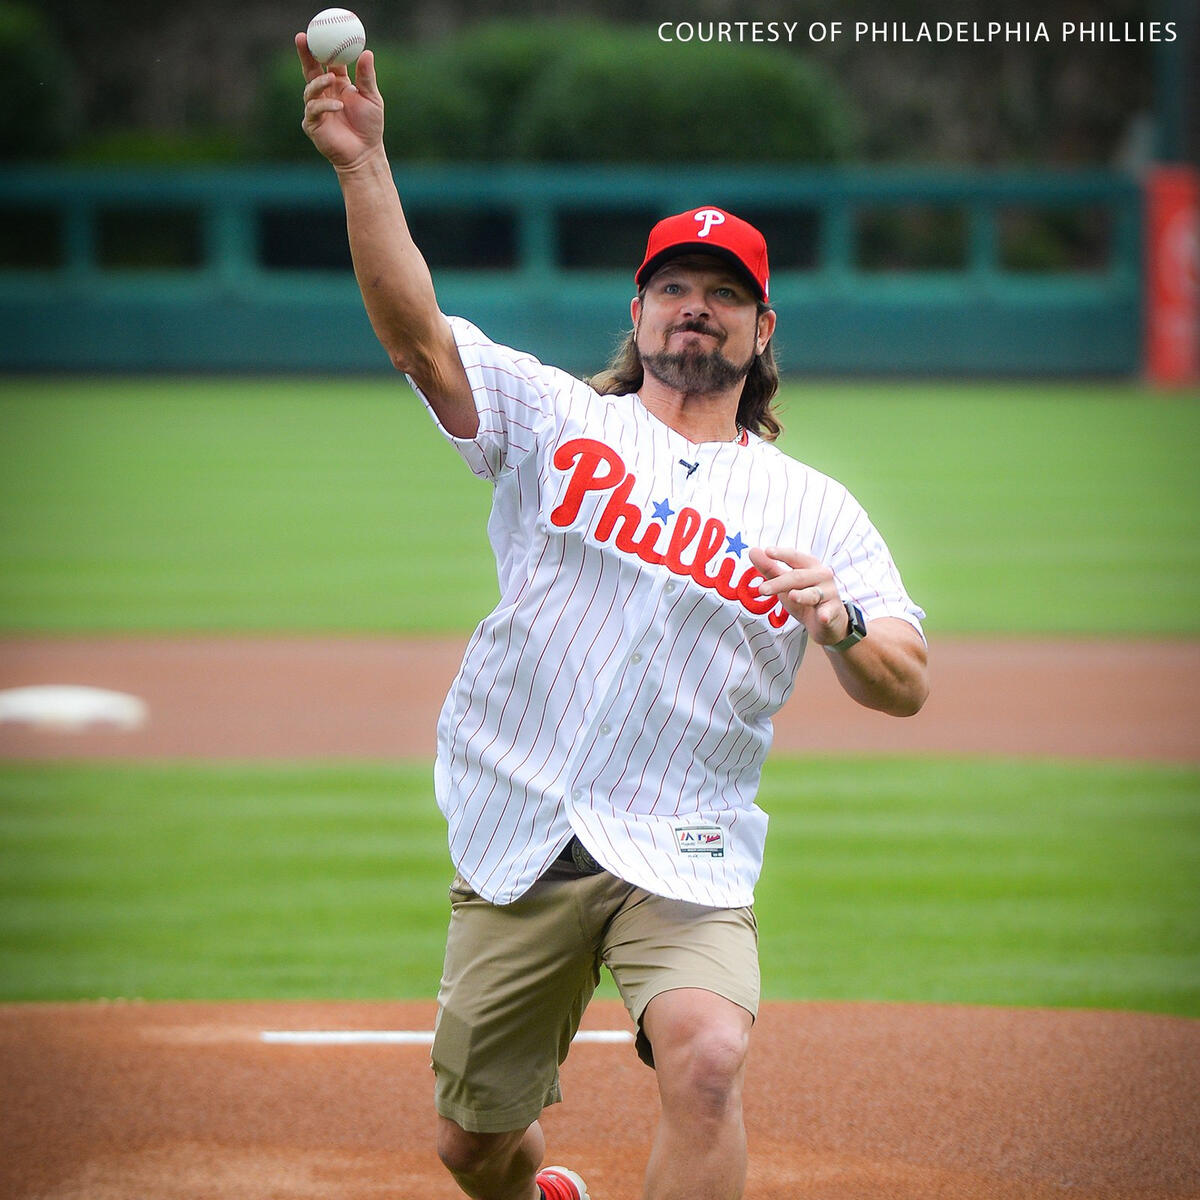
(864, 568)
(513, 394)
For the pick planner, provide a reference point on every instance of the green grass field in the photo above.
(265, 504)
(979, 882)
(173, 505)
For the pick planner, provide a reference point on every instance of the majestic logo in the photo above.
(708, 217)
(595, 467)
(700, 839)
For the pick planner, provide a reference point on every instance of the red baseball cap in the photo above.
(708, 231)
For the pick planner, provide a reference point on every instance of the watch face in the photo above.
(858, 623)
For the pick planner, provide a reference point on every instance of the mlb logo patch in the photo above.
(700, 839)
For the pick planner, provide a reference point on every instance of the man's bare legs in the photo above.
(492, 1166)
(700, 1043)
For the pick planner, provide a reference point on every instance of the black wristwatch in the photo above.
(858, 628)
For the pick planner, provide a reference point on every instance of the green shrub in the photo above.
(619, 96)
(573, 91)
(431, 107)
(159, 148)
(493, 68)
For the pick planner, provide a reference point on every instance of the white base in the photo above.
(68, 708)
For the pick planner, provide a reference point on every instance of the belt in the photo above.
(576, 854)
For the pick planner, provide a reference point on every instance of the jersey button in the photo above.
(670, 586)
(635, 658)
(606, 729)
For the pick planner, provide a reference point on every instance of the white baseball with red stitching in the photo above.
(336, 37)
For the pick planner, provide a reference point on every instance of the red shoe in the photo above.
(557, 1183)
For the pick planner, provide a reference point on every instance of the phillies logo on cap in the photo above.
(708, 230)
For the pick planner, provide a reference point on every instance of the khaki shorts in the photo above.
(517, 978)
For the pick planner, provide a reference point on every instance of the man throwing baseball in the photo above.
(662, 568)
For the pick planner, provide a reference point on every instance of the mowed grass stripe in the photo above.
(331, 505)
(992, 882)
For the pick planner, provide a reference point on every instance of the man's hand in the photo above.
(343, 119)
(886, 671)
(806, 588)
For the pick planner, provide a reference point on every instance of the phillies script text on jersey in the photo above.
(595, 467)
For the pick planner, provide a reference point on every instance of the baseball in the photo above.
(336, 37)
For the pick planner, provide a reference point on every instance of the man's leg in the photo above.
(689, 977)
(700, 1042)
(492, 1166)
(515, 982)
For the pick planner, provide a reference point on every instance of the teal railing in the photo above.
(874, 271)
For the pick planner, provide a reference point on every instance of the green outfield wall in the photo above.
(873, 272)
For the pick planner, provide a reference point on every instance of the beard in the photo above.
(695, 370)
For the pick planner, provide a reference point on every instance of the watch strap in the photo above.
(857, 630)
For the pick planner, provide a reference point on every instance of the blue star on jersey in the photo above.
(663, 510)
(736, 545)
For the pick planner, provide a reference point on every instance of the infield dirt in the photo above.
(844, 1102)
(131, 1101)
(289, 697)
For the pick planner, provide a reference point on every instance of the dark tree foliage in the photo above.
(142, 72)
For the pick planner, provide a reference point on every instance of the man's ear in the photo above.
(766, 329)
(635, 307)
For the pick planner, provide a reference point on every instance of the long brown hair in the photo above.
(625, 374)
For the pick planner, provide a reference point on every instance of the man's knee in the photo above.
(700, 1049)
(466, 1153)
(707, 1069)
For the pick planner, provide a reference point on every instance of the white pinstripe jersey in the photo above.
(623, 687)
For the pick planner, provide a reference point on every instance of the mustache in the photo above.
(695, 327)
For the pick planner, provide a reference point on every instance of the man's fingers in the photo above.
(773, 562)
(339, 79)
(331, 84)
(364, 75)
(808, 596)
(766, 565)
(792, 558)
(780, 578)
(315, 86)
(308, 64)
(803, 583)
(317, 108)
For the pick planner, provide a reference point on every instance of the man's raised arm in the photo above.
(345, 122)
